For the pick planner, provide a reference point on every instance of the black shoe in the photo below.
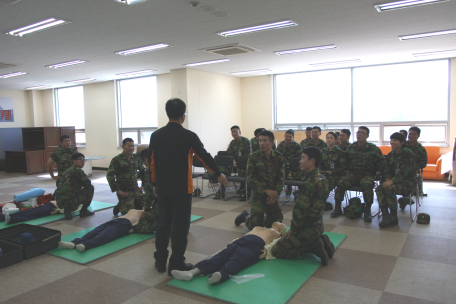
(388, 221)
(241, 218)
(367, 214)
(115, 210)
(160, 265)
(182, 267)
(317, 248)
(402, 203)
(84, 212)
(329, 246)
(68, 215)
(242, 197)
(336, 213)
(328, 206)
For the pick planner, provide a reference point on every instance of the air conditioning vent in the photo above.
(5, 65)
(231, 49)
(9, 1)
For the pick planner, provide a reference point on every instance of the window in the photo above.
(70, 110)
(137, 104)
(385, 98)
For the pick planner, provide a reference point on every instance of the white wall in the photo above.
(48, 107)
(21, 109)
(163, 95)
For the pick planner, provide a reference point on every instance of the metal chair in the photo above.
(293, 164)
(223, 153)
(226, 161)
(358, 193)
(241, 165)
(418, 198)
(197, 164)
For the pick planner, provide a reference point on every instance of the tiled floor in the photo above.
(410, 263)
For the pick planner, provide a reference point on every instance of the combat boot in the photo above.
(317, 248)
(67, 212)
(402, 203)
(388, 219)
(217, 195)
(241, 218)
(116, 210)
(242, 197)
(337, 210)
(329, 246)
(367, 213)
(84, 212)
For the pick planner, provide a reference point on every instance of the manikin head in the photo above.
(279, 227)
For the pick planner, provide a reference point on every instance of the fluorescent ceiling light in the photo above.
(335, 62)
(143, 49)
(309, 49)
(434, 53)
(250, 72)
(36, 27)
(207, 62)
(65, 64)
(137, 73)
(404, 4)
(37, 87)
(80, 80)
(130, 1)
(257, 28)
(425, 35)
(13, 74)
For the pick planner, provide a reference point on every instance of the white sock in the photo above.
(185, 275)
(80, 247)
(214, 278)
(66, 245)
(7, 218)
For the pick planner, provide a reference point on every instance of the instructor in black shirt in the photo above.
(172, 148)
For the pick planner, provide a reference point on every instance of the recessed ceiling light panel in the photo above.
(207, 62)
(309, 49)
(251, 72)
(65, 64)
(335, 62)
(37, 87)
(136, 73)
(80, 80)
(129, 2)
(426, 35)
(143, 49)
(437, 53)
(404, 4)
(12, 74)
(257, 28)
(36, 27)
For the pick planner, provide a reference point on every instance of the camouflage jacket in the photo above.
(148, 189)
(256, 145)
(62, 157)
(320, 145)
(305, 142)
(367, 159)
(400, 167)
(309, 208)
(241, 148)
(337, 157)
(123, 173)
(420, 154)
(264, 174)
(344, 147)
(293, 150)
(72, 180)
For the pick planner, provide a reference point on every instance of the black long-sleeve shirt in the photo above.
(172, 148)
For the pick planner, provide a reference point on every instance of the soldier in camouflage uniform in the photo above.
(400, 178)
(239, 146)
(308, 139)
(74, 189)
(122, 177)
(265, 175)
(344, 139)
(290, 149)
(316, 141)
(305, 234)
(62, 157)
(255, 143)
(364, 161)
(333, 162)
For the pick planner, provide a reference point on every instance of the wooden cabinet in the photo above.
(38, 145)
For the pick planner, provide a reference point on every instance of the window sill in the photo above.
(80, 145)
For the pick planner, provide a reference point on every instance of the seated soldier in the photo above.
(337, 138)
(400, 178)
(238, 255)
(308, 139)
(74, 189)
(316, 141)
(333, 162)
(122, 177)
(29, 214)
(289, 149)
(306, 232)
(343, 139)
(135, 221)
(404, 132)
(254, 140)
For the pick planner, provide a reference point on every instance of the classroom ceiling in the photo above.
(100, 28)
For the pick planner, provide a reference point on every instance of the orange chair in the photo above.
(385, 149)
(432, 170)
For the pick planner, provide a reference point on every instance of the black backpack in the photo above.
(354, 208)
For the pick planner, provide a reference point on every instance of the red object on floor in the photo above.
(43, 199)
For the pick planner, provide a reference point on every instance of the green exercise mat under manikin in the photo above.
(283, 277)
(94, 206)
(103, 250)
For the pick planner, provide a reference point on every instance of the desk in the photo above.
(88, 164)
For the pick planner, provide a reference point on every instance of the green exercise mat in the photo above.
(103, 250)
(94, 206)
(283, 277)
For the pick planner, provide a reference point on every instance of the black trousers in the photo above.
(174, 212)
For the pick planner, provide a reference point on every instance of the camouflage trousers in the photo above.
(364, 180)
(72, 201)
(147, 223)
(387, 196)
(259, 209)
(291, 247)
(134, 200)
(332, 179)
